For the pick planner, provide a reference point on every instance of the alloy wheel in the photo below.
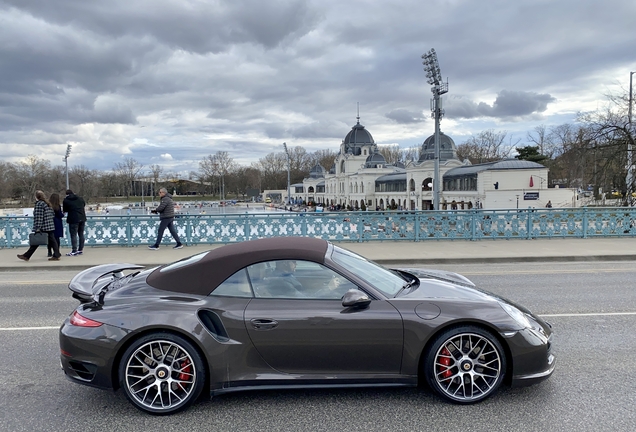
(161, 376)
(467, 367)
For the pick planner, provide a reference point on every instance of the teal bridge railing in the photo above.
(136, 230)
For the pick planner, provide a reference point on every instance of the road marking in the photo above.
(35, 282)
(587, 314)
(539, 271)
(29, 328)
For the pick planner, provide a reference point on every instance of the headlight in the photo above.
(516, 315)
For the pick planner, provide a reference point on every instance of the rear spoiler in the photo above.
(89, 282)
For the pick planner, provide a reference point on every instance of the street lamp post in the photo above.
(68, 153)
(629, 180)
(288, 173)
(434, 78)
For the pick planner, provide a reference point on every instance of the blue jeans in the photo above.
(77, 230)
(167, 223)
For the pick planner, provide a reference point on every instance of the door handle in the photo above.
(264, 323)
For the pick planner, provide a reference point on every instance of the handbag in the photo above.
(38, 238)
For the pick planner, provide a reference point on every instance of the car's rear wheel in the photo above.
(161, 373)
(465, 364)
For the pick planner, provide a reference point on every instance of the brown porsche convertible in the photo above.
(293, 311)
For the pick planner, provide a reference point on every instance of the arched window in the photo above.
(361, 187)
(427, 184)
(412, 185)
(342, 166)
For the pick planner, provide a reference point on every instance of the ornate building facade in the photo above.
(362, 179)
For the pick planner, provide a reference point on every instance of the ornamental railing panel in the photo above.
(135, 230)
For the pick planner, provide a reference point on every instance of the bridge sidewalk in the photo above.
(389, 252)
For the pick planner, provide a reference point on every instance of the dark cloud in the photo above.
(507, 105)
(199, 27)
(334, 131)
(403, 116)
(191, 77)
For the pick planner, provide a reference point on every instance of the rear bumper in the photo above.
(87, 354)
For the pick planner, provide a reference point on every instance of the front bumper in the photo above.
(526, 380)
(532, 358)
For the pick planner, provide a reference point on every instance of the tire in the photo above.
(161, 373)
(465, 364)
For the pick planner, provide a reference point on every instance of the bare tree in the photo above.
(540, 137)
(325, 158)
(244, 178)
(209, 171)
(155, 171)
(487, 146)
(110, 184)
(8, 178)
(129, 170)
(226, 166)
(31, 175)
(83, 181)
(411, 154)
(391, 153)
(610, 130)
(273, 169)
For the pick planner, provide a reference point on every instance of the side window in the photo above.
(236, 285)
(297, 279)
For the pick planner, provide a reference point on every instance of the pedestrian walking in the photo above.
(549, 204)
(58, 220)
(166, 219)
(43, 222)
(73, 206)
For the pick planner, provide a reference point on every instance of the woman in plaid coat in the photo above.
(43, 221)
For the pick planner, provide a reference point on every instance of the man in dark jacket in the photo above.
(73, 206)
(166, 219)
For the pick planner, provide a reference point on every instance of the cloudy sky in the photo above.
(170, 81)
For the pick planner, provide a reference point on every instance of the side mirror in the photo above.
(356, 298)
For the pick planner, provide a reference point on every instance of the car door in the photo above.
(313, 334)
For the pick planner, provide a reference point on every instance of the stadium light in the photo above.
(434, 78)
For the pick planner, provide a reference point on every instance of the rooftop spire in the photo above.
(358, 117)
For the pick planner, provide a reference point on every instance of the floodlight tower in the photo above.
(68, 153)
(434, 78)
(288, 173)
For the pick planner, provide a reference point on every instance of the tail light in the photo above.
(80, 321)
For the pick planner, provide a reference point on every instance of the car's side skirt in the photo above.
(396, 381)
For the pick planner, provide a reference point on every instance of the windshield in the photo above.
(379, 277)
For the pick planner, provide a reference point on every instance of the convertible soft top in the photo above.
(201, 276)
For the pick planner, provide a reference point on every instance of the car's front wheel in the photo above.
(465, 364)
(161, 373)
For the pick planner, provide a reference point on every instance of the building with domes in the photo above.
(361, 178)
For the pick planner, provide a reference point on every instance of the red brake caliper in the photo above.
(445, 361)
(186, 369)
